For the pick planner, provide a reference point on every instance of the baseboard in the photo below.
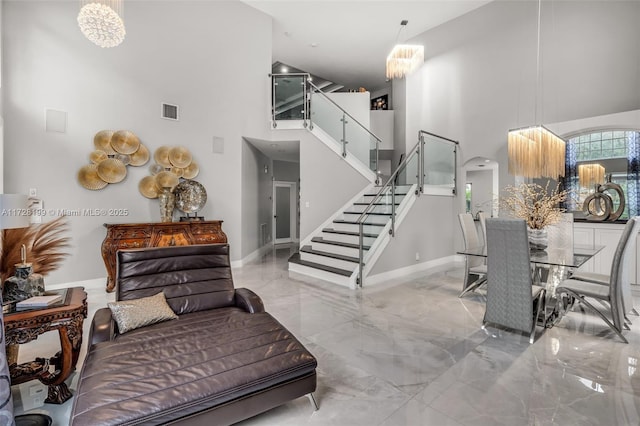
(253, 256)
(408, 270)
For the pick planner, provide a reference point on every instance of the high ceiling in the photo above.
(348, 41)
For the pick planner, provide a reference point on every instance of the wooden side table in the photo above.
(23, 327)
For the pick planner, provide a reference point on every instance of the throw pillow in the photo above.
(132, 314)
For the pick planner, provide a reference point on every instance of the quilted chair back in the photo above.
(193, 278)
(509, 297)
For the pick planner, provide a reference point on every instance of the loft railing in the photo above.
(430, 164)
(295, 97)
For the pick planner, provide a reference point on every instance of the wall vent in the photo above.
(170, 112)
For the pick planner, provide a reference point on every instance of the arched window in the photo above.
(618, 151)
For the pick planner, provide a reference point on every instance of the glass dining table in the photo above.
(549, 267)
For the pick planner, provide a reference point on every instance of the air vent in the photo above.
(170, 112)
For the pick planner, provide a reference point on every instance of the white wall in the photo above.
(256, 198)
(289, 171)
(327, 182)
(174, 52)
(479, 76)
(382, 126)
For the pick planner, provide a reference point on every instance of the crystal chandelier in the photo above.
(536, 151)
(404, 58)
(101, 22)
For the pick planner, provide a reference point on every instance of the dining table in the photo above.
(549, 267)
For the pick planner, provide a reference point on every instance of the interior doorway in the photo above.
(284, 211)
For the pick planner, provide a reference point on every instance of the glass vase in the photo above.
(538, 238)
(167, 204)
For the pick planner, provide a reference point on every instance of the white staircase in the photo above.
(332, 251)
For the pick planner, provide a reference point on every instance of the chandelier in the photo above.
(101, 21)
(590, 174)
(404, 58)
(536, 151)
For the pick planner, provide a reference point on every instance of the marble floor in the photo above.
(410, 352)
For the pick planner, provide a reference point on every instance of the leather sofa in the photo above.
(223, 360)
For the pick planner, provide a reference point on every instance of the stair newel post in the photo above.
(393, 209)
(344, 135)
(361, 254)
(421, 154)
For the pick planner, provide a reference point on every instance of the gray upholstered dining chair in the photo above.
(512, 299)
(482, 217)
(475, 270)
(604, 279)
(611, 293)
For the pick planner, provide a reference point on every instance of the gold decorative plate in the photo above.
(191, 170)
(140, 157)
(148, 187)
(162, 156)
(166, 180)
(177, 171)
(180, 156)
(112, 170)
(89, 179)
(102, 141)
(97, 156)
(125, 142)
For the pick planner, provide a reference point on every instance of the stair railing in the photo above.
(414, 162)
(296, 89)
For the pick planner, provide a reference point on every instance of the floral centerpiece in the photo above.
(537, 205)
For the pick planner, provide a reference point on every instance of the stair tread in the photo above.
(397, 193)
(308, 249)
(355, 234)
(338, 243)
(353, 222)
(376, 204)
(369, 213)
(295, 258)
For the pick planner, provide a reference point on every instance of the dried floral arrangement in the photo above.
(45, 244)
(535, 204)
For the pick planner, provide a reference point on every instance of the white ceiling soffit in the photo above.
(348, 41)
(480, 164)
(278, 150)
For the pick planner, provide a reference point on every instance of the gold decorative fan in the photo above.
(112, 170)
(125, 142)
(102, 141)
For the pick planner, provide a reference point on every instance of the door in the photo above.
(284, 212)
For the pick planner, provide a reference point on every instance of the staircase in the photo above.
(332, 253)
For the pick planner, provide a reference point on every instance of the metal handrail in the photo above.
(304, 93)
(418, 149)
(343, 110)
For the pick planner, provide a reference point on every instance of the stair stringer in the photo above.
(378, 246)
(335, 146)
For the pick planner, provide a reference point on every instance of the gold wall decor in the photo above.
(171, 165)
(114, 151)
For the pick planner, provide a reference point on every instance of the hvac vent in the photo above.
(170, 112)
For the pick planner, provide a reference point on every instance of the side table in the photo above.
(23, 327)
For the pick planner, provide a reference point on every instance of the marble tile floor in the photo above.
(410, 352)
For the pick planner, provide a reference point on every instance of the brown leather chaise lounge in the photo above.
(223, 360)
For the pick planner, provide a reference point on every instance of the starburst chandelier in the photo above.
(101, 21)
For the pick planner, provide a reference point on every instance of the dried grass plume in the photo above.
(534, 203)
(45, 245)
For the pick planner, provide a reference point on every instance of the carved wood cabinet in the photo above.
(161, 234)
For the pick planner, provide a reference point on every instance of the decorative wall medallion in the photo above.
(114, 151)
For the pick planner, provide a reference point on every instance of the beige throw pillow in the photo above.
(132, 314)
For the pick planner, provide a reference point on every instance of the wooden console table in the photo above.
(160, 234)
(23, 327)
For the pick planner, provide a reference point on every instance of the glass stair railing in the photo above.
(295, 97)
(417, 170)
